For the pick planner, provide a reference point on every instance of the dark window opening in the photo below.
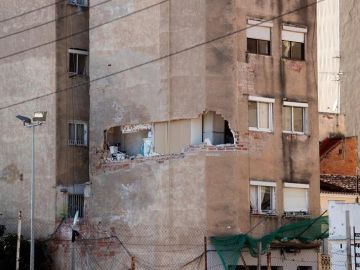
(216, 130)
(229, 138)
(75, 203)
(293, 50)
(258, 46)
(78, 62)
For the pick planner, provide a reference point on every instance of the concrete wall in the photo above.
(34, 77)
(27, 71)
(73, 97)
(330, 123)
(350, 34)
(206, 187)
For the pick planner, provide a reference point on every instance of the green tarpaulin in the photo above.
(229, 247)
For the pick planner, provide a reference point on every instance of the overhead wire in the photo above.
(52, 21)
(83, 31)
(157, 58)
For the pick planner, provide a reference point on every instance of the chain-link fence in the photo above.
(149, 248)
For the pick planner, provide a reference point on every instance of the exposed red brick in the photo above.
(342, 159)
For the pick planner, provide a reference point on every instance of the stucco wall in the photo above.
(208, 188)
(73, 97)
(27, 72)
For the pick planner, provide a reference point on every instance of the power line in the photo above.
(30, 11)
(51, 21)
(155, 59)
(82, 31)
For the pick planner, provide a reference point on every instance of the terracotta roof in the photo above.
(338, 183)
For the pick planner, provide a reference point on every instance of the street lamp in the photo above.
(38, 119)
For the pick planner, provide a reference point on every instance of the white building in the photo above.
(343, 219)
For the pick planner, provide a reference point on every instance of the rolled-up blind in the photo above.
(295, 199)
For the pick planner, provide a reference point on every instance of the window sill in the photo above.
(260, 54)
(260, 130)
(78, 145)
(273, 214)
(295, 133)
(75, 75)
(290, 59)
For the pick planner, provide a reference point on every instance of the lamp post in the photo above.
(38, 119)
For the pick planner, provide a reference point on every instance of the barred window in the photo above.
(75, 203)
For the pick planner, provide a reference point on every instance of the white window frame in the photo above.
(293, 33)
(258, 100)
(298, 186)
(77, 53)
(85, 139)
(260, 184)
(293, 105)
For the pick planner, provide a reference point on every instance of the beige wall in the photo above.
(33, 65)
(26, 73)
(73, 102)
(206, 188)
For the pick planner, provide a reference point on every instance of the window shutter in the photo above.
(258, 32)
(295, 199)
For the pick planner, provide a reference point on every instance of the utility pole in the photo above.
(32, 243)
(18, 242)
(259, 256)
(348, 240)
(205, 252)
(268, 257)
(37, 120)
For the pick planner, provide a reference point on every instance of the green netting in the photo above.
(229, 247)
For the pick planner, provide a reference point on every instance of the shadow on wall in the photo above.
(163, 138)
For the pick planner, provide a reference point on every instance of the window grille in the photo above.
(75, 203)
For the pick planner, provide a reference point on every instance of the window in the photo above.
(77, 133)
(262, 197)
(260, 113)
(258, 37)
(75, 203)
(296, 198)
(294, 117)
(81, 3)
(78, 62)
(293, 42)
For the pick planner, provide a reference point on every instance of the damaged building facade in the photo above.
(203, 122)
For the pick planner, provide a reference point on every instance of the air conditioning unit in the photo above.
(79, 3)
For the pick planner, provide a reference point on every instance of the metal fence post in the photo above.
(18, 242)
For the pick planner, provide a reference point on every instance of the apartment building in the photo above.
(44, 67)
(203, 122)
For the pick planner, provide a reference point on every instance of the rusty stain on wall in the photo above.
(10, 173)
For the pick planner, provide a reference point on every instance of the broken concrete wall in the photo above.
(209, 70)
